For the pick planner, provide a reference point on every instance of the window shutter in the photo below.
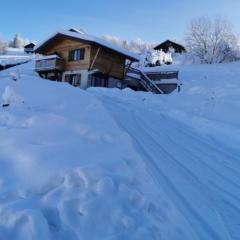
(82, 55)
(70, 56)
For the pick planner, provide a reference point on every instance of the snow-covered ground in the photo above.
(14, 51)
(13, 59)
(112, 164)
(14, 56)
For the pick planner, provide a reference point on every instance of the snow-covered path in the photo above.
(201, 178)
(111, 164)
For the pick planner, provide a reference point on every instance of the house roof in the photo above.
(167, 44)
(77, 35)
(30, 45)
(76, 30)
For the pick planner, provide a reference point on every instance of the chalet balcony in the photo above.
(49, 63)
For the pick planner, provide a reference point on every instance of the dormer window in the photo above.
(77, 54)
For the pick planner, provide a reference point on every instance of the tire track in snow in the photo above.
(217, 153)
(225, 173)
(206, 143)
(219, 180)
(202, 225)
(188, 152)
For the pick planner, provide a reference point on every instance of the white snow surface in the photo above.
(112, 164)
(13, 59)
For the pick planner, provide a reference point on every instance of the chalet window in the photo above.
(99, 80)
(77, 54)
(73, 79)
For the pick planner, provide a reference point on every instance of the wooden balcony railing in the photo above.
(49, 63)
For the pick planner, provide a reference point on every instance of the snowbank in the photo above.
(13, 59)
(111, 164)
(64, 174)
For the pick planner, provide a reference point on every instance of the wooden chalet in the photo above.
(82, 60)
(86, 61)
(167, 45)
(29, 48)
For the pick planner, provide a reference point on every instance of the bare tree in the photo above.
(211, 41)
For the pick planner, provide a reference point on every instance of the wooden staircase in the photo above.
(145, 81)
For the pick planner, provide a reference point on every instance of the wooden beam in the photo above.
(126, 69)
(110, 68)
(95, 58)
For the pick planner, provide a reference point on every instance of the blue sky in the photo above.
(151, 20)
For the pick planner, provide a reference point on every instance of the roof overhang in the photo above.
(159, 46)
(81, 38)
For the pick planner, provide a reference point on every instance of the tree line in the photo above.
(206, 40)
(16, 42)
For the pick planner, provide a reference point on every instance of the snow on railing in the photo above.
(51, 62)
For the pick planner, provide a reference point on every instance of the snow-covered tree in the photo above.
(125, 44)
(136, 45)
(156, 58)
(3, 46)
(18, 42)
(211, 41)
(238, 48)
(112, 39)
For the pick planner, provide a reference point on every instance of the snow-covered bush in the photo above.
(152, 58)
(211, 41)
(157, 58)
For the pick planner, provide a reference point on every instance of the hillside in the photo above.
(112, 164)
(13, 59)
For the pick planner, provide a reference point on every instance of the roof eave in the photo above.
(37, 48)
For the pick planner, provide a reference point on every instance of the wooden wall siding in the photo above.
(63, 46)
(108, 62)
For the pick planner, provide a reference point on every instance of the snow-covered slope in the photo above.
(111, 164)
(13, 59)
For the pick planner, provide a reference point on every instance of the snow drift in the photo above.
(111, 164)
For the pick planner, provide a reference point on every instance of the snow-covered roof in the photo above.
(47, 57)
(30, 45)
(94, 40)
(76, 30)
(168, 43)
